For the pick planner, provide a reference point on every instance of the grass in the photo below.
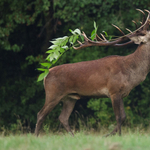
(137, 140)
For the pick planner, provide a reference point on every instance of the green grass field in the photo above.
(130, 140)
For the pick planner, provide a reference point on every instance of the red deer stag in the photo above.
(113, 77)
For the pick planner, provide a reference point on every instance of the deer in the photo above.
(109, 77)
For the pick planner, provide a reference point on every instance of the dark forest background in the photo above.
(27, 26)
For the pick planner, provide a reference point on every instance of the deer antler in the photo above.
(88, 42)
(118, 29)
(144, 18)
(115, 42)
(135, 24)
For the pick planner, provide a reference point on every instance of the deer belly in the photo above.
(103, 92)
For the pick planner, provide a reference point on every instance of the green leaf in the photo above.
(75, 38)
(77, 31)
(51, 51)
(43, 75)
(41, 69)
(64, 38)
(62, 50)
(61, 38)
(54, 61)
(71, 39)
(55, 42)
(71, 31)
(53, 47)
(93, 34)
(95, 25)
(65, 47)
(110, 37)
(56, 54)
(47, 58)
(105, 33)
(53, 56)
(63, 42)
(46, 64)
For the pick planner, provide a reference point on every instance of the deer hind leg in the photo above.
(68, 106)
(120, 115)
(50, 103)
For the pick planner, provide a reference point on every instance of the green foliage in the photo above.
(103, 111)
(59, 47)
(14, 14)
(25, 29)
(94, 32)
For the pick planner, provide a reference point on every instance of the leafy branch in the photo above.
(59, 47)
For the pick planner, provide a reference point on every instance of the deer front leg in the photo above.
(117, 103)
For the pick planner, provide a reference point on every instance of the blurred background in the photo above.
(27, 26)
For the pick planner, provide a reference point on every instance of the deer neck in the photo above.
(139, 61)
(141, 57)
